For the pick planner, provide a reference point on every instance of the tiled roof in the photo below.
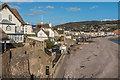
(47, 33)
(14, 11)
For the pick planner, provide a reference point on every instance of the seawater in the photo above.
(116, 41)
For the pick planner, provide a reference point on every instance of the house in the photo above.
(56, 34)
(45, 31)
(59, 28)
(28, 29)
(68, 36)
(43, 34)
(117, 32)
(12, 24)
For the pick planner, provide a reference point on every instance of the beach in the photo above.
(95, 60)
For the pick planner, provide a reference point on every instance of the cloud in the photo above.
(109, 19)
(50, 7)
(93, 7)
(36, 12)
(29, 14)
(17, 0)
(73, 9)
(14, 6)
(40, 7)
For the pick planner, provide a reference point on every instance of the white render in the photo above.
(28, 29)
(42, 34)
(15, 35)
(38, 38)
(51, 32)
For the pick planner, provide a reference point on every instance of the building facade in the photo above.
(12, 24)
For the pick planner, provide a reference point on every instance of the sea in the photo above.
(116, 41)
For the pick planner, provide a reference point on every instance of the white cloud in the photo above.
(109, 19)
(73, 9)
(40, 7)
(29, 14)
(37, 11)
(17, 0)
(49, 6)
(14, 6)
(93, 7)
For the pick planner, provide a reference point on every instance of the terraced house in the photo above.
(12, 24)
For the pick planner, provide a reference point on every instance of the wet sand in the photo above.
(95, 60)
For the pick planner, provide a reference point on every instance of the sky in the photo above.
(64, 12)
(60, 0)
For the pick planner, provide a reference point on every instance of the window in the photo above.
(8, 28)
(21, 38)
(10, 18)
(15, 28)
(47, 70)
(25, 29)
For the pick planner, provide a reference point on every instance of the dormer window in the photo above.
(10, 17)
(8, 28)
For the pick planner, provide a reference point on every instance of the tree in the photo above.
(49, 44)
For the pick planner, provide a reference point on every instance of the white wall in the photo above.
(5, 15)
(3, 27)
(51, 32)
(41, 34)
(16, 38)
(28, 29)
(5, 12)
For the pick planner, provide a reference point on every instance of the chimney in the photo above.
(41, 22)
(50, 24)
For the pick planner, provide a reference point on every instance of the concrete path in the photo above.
(94, 60)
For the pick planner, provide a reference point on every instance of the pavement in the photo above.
(95, 60)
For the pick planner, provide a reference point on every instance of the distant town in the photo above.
(44, 51)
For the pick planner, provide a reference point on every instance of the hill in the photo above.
(89, 26)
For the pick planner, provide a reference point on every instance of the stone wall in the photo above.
(34, 43)
(25, 61)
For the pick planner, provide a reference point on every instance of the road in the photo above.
(95, 60)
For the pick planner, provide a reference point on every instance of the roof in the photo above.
(117, 31)
(37, 38)
(4, 36)
(14, 11)
(60, 31)
(46, 32)
(4, 21)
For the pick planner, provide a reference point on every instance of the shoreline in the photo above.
(90, 62)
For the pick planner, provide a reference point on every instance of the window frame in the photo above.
(8, 28)
(10, 17)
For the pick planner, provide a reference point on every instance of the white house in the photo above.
(42, 34)
(46, 31)
(28, 29)
(12, 23)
